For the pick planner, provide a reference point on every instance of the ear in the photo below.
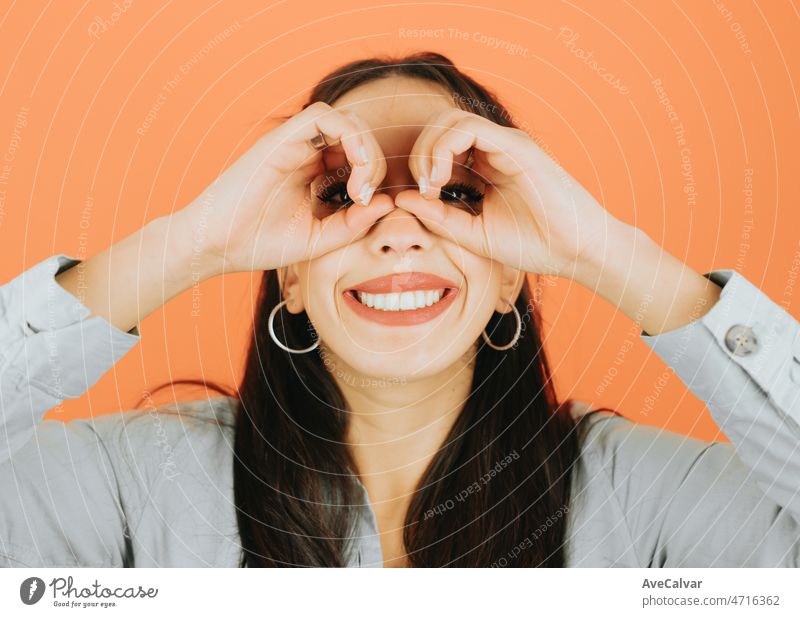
(289, 282)
(510, 287)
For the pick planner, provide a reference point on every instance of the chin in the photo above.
(414, 362)
(400, 368)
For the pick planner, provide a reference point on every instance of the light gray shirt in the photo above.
(151, 488)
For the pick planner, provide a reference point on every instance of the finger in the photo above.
(335, 157)
(501, 145)
(335, 126)
(346, 225)
(419, 160)
(444, 220)
(364, 180)
(468, 133)
(442, 165)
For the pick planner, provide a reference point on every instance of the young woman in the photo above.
(396, 407)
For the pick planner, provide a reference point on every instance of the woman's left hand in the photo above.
(534, 217)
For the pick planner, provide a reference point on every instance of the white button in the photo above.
(740, 340)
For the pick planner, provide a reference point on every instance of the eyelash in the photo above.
(327, 194)
(472, 194)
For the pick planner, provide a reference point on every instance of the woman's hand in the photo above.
(259, 214)
(534, 216)
(537, 218)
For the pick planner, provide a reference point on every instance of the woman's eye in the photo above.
(335, 194)
(462, 194)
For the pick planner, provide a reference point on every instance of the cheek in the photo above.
(483, 281)
(318, 287)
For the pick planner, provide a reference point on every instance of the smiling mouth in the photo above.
(402, 301)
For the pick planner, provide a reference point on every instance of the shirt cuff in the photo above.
(50, 339)
(750, 330)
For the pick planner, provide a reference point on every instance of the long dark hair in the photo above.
(513, 443)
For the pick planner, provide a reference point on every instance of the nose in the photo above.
(399, 234)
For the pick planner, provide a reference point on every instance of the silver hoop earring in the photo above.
(275, 338)
(516, 334)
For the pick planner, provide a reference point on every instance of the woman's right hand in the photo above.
(260, 213)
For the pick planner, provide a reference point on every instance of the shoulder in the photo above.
(174, 420)
(185, 434)
(640, 458)
(609, 435)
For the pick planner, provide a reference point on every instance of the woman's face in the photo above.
(430, 299)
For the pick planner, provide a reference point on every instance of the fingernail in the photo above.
(423, 185)
(365, 194)
(434, 172)
(362, 153)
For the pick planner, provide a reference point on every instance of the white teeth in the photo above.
(372, 300)
(405, 301)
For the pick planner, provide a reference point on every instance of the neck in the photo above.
(397, 425)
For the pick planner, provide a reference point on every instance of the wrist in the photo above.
(646, 283)
(611, 262)
(189, 254)
(172, 247)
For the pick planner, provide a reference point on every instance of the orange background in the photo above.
(727, 68)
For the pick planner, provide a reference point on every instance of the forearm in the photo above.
(646, 283)
(135, 276)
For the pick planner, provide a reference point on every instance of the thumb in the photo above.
(445, 220)
(346, 225)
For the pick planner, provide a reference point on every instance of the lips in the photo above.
(404, 281)
(379, 291)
